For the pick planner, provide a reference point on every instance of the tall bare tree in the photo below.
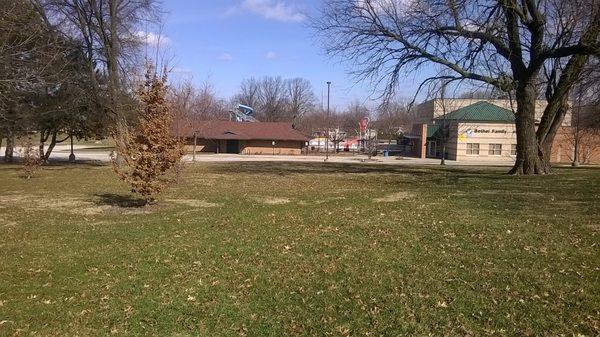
(504, 43)
(300, 97)
(276, 99)
(191, 104)
(249, 93)
(35, 65)
(111, 33)
(393, 118)
(272, 98)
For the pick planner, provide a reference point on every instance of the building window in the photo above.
(472, 148)
(513, 149)
(495, 150)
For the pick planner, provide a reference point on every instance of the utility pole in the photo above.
(444, 135)
(327, 123)
(194, 149)
(577, 130)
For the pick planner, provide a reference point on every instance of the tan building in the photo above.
(484, 131)
(268, 138)
(478, 132)
(429, 110)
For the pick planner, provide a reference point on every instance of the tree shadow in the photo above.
(290, 168)
(285, 168)
(124, 201)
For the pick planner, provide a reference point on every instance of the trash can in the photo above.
(385, 153)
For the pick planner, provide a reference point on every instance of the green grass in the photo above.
(268, 249)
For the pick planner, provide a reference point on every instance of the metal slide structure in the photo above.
(242, 113)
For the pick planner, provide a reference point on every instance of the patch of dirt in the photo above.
(494, 192)
(66, 204)
(273, 200)
(395, 197)
(8, 223)
(594, 227)
(193, 203)
(320, 201)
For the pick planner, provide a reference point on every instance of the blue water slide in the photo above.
(246, 110)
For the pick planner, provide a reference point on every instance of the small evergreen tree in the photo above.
(148, 153)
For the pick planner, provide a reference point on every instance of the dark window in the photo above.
(495, 150)
(472, 148)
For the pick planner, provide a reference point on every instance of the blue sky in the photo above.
(226, 41)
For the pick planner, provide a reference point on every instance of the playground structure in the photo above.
(242, 113)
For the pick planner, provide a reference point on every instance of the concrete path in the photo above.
(91, 153)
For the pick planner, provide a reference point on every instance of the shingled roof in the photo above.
(481, 112)
(217, 129)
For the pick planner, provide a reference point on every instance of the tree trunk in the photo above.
(547, 139)
(10, 147)
(528, 149)
(43, 140)
(51, 146)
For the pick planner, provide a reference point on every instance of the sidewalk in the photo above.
(88, 153)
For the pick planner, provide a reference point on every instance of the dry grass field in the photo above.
(267, 249)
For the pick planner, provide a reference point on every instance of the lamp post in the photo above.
(327, 123)
(72, 155)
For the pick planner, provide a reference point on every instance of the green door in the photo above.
(233, 146)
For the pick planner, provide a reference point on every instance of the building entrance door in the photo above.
(232, 146)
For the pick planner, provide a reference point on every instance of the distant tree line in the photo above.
(276, 99)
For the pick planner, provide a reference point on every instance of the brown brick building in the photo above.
(271, 138)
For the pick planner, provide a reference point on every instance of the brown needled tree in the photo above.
(149, 152)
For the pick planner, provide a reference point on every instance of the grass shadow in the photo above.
(285, 168)
(118, 200)
(290, 168)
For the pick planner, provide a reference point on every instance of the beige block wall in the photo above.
(247, 146)
(483, 134)
(265, 147)
(202, 145)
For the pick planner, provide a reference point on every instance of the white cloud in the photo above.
(225, 57)
(277, 10)
(271, 55)
(152, 39)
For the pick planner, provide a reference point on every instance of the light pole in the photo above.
(72, 155)
(327, 123)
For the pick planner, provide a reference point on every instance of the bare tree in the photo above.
(272, 98)
(35, 66)
(209, 105)
(393, 119)
(503, 43)
(249, 93)
(192, 104)
(349, 119)
(300, 97)
(276, 99)
(112, 33)
(584, 134)
(314, 120)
